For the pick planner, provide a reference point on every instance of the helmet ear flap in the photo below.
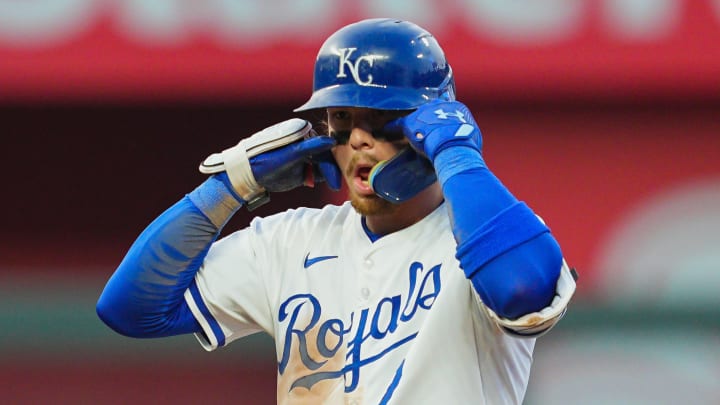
(402, 177)
(448, 95)
(449, 89)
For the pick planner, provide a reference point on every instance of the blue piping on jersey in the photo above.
(372, 235)
(391, 388)
(214, 325)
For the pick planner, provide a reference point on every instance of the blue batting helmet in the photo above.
(380, 63)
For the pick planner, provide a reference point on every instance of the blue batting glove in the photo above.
(438, 125)
(302, 163)
(279, 158)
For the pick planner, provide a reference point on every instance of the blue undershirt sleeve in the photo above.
(508, 254)
(145, 296)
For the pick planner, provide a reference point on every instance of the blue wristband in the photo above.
(216, 199)
(452, 161)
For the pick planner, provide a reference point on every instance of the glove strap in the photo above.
(237, 166)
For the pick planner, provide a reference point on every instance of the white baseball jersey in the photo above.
(356, 322)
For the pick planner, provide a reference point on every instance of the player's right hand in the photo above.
(279, 158)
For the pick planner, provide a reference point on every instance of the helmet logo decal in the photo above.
(354, 66)
(443, 115)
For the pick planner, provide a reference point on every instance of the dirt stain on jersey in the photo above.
(329, 391)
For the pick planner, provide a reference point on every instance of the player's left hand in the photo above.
(438, 125)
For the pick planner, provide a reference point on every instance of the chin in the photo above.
(372, 205)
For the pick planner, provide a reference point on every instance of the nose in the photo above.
(361, 138)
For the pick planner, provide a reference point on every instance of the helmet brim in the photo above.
(377, 97)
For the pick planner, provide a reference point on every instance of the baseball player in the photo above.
(430, 285)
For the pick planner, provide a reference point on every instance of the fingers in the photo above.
(313, 146)
(438, 124)
(399, 125)
(318, 148)
(329, 170)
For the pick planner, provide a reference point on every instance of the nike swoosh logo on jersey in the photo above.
(310, 261)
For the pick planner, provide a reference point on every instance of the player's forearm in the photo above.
(509, 255)
(144, 297)
(474, 193)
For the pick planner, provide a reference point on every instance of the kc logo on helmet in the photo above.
(354, 66)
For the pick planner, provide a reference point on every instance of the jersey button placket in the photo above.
(367, 265)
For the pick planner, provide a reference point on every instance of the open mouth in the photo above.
(361, 177)
(363, 173)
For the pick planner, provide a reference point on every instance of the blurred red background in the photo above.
(597, 113)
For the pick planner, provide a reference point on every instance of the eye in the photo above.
(381, 118)
(383, 135)
(378, 118)
(339, 115)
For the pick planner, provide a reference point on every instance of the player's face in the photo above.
(361, 145)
